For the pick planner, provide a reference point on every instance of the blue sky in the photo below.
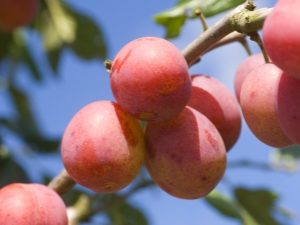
(82, 82)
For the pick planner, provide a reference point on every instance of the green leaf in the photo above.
(173, 19)
(172, 24)
(89, 42)
(54, 58)
(10, 171)
(21, 54)
(126, 214)
(71, 197)
(259, 203)
(5, 40)
(287, 159)
(224, 204)
(62, 27)
(229, 207)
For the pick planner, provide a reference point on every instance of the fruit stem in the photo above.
(256, 37)
(246, 46)
(62, 183)
(202, 18)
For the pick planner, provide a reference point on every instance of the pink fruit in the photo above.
(103, 147)
(34, 204)
(213, 99)
(16, 13)
(186, 155)
(281, 36)
(258, 103)
(150, 79)
(288, 106)
(244, 68)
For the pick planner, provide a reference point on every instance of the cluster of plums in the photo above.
(191, 122)
(269, 93)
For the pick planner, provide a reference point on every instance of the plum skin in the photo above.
(36, 204)
(258, 105)
(288, 106)
(150, 79)
(281, 36)
(243, 69)
(212, 98)
(186, 155)
(16, 13)
(103, 147)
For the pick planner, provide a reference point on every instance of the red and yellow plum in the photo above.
(36, 204)
(16, 13)
(150, 79)
(258, 103)
(213, 99)
(103, 147)
(186, 155)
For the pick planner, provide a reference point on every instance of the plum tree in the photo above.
(36, 204)
(186, 155)
(258, 103)
(103, 147)
(284, 47)
(288, 106)
(145, 85)
(213, 99)
(16, 13)
(243, 69)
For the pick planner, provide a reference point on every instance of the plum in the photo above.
(186, 155)
(36, 204)
(243, 69)
(281, 36)
(103, 147)
(16, 13)
(258, 105)
(150, 79)
(288, 106)
(213, 99)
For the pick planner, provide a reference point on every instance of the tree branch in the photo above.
(240, 19)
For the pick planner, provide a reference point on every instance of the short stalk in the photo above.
(62, 183)
(255, 37)
(246, 46)
(202, 19)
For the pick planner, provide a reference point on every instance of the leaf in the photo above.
(225, 205)
(71, 197)
(62, 27)
(173, 19)
(54, 58)
(229, 207)
(89, 42)
(10, 171)
(287, 159)
(126, 214)
(259, 203)
(5, 40)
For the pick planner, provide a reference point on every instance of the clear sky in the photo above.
(82, 82)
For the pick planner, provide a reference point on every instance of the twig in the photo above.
(239, 19)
